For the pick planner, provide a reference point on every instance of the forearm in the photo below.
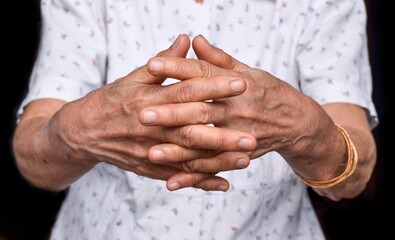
(41, 158)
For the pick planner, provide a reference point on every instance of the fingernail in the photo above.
(223, 188)
(236, 85)
(174, 186)
(150, 117)
(245, 144)
(158, 155)
(156, 65)
(241, 163)
(176, 43)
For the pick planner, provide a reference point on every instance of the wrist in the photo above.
(63, 132)
(348, 168)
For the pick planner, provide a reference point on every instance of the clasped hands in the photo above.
(163, 132)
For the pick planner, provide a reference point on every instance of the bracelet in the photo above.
(350, 168)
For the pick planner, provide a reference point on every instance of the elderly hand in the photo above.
(280, 117)
(104, 127)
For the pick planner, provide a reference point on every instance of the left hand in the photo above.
(280, 117)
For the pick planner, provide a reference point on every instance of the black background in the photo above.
(28, 213)
(25, 212)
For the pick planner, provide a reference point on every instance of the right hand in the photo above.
(104, 126)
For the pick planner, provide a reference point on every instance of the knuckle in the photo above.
(219, 166)
(203, 113)
(202, 166)
(200, 181)
(186, 134)
(204, 69)
(180, 66)
(222, 142)
(185, 93)
(173, 115)
(196, 179)
(214, 166)
(179, 153)
(188, 166)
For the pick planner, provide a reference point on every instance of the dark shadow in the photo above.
(364, 217)
(25, 212)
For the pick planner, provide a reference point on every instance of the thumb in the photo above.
(179, 48)
(207, 52)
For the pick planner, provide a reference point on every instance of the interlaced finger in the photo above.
(183, 114)
(208, 137)
(195, 160)
(185, 68)
(208, 182)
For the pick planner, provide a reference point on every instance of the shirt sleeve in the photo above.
(72, 53)
(333, 56)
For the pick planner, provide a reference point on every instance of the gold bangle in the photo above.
(350, 168)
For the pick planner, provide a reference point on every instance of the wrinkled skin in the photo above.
(104, 127)
(280, 117)
(162, 132)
